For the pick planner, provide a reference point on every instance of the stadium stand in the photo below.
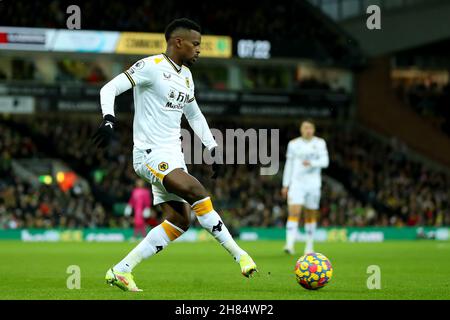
(381, 184)
(268, 21)
(429, 100)
(385, 187)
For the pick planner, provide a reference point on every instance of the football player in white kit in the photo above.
(163, 91)
(306, 156)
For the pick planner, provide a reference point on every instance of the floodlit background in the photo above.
(380, 98)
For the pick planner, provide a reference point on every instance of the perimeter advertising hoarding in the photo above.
(90, 41)
(332, 234)
(139, 43)
(17, 104)
(85, 41)
(36, 39)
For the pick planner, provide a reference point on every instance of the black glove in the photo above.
(104, 133)
(217, 168)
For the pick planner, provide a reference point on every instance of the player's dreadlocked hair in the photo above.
(182, 23)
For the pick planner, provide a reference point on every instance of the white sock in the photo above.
(310, 229)
(157, 239)
(210, 220)
(291, 233)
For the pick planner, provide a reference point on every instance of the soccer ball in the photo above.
(313, 271)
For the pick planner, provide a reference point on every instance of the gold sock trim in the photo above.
(170, 230)
(203, 207)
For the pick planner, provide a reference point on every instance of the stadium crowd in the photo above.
(431, 101)
(385, 187)
(409, 192)
(27, 204)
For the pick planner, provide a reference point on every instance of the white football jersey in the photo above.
(295, 172)
(162, 91)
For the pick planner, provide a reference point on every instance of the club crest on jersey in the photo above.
(163, 166)
(187, 82)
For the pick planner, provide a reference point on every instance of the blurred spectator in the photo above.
(23, 69)
(96, 75)
(140, 203)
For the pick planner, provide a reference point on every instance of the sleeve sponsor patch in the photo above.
(139, 65)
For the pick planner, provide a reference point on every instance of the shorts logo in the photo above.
(163, 166)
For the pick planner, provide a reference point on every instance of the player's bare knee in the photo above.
(197, 193)
(185, 223)
(182, 222)
(193, 193)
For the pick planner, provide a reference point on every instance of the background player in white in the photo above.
(305, 158)
(163, 91)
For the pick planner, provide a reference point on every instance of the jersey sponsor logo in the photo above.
(177, 99)
(172, 106)
(163, 166)
(182, 97)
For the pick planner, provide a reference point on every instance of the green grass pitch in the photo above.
(203, 270)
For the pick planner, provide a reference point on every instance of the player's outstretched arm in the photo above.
(140, 74)
(108, 94)
(109, 91)
(199, 125)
